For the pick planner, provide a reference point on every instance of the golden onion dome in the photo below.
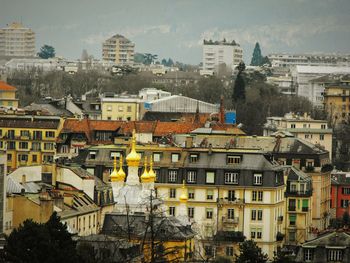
(121, 174)
(114, 175)
(145, 176)
(183, 196)
(133, 158)
(151, 173)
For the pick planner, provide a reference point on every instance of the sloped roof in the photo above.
(29, 122)
(332, 239)
(178, 116)
(6, 87)
(165, 128)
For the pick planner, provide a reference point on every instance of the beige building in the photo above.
(120, 108)
(118, 50)
(8, 96)
(302, 127)
(17, 41)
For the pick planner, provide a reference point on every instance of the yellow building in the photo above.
(120, 108)
(298, 216)
(337, 102)
(29, 140)
(8, 96)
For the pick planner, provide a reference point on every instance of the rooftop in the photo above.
(6, 87)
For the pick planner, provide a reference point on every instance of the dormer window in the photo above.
(194, 157)
(115, 154)
(175, 157)
(233, 159)
(92, 155)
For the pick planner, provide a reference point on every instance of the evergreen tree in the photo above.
(34, 242)
(346, 218)
(251, 253)
(46, 52)
(239, 85)
(257, 59)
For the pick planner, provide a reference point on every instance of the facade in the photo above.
(302, 127)
(302, 75)
(8, 96)
(29, 140)
(340, 194)
(333, 246)
(221, 52)
(118, 50)
(298, 218)
(17, 41)
(120, 108)
(3, 185)
(289, 60)
(283, 83)
(337, 102)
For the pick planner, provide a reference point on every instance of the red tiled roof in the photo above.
(164, 128)
(6, 87)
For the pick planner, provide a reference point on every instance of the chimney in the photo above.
(222, 110)
(23, 178)
(189, 142)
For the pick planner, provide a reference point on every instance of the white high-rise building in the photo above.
(221, 52)
(118, 50)
(17, 41)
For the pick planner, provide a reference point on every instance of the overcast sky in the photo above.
(176, 28)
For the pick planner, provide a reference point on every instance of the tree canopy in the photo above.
(239, 85)
(258, 59)
(46, 52)
(250, 253)
(34, 242)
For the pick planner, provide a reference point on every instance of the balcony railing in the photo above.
(229, 220)
(298, 193)
(304, 209)
(291, 208)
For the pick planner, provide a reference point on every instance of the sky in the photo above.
(176, 28)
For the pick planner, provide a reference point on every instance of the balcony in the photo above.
(305, 209)
(306, 193)
(229, 236)
(291, 208)
(227, 201)
(227, 220)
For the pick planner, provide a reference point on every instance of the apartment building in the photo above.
(29, 140)
(17, 41)
(119, 50)
(120, 107)
(8, 96)
(302, 127)
(337, 101)
(221, 52)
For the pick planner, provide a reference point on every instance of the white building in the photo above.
(220, 52)
(284, 84)
(118, 50)
(17, 41)
(149, 94)
(302, 75)
(289, 60)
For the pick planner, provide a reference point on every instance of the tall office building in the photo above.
(17, 41)
(119, 50)
(221, 52)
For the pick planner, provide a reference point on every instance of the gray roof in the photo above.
(332, 239)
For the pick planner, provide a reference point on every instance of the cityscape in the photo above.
(175, 131)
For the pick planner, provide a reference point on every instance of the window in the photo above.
(36, 146)
(253, 215)
(191, 177)
(175, 157)
(209, 213)
(25, 133)
(346, 190)
(258, 233)
(233, 159)
(48, 146)
(229, 251)
(115, 154)
(231, 178)
(260, 214)
(323, 126)
(34, 158)
(305, 205)
(193, 157)
(210, 177)
(252, 233)
(335, 255)
(209, 250)
(37, 135)
(109, 108)
(11, 145)
(292, 126)
(306, 136)
(292, 205)
(231, 195)
(321, 137)
(120, 108)
(257, 179)
(210, 194)
(260, 196)
(190, 212)
(172, 193)
(230, 213)
(344, 203)
(11, 134)
(50, 134)
(23, 157)
(190, 193)
(9, 157)
(92, 155)
(291, 235)
(23, 145)
(254, 195)
(292, 219)
(156, 157)
(129, 109)
(172, 176)
(172, 210)
(308, 254)
(257, 196)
